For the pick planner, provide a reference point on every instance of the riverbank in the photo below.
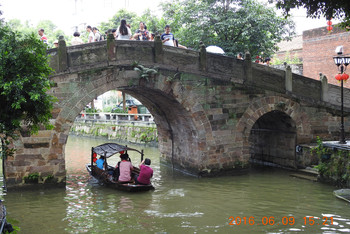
(124, 132)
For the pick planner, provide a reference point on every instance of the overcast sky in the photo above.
(66, 14)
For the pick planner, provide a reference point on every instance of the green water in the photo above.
(180, 203)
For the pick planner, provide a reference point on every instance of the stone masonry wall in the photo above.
(204, 105)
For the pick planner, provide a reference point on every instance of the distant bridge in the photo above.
(213, 113)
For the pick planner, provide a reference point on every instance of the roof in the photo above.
(295, 44)
(109, 149)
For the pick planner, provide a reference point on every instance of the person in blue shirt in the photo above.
(100, 162)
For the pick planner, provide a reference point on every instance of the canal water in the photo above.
(266, 200)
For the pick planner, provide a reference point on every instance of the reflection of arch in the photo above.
(264, 105)
(180, 119)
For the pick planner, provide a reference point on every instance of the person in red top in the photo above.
(146, 172)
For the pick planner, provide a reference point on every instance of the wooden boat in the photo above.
(103, 176)
(343, 194)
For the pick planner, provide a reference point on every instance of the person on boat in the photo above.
(125, 167)
(146, 173)
(100, 162)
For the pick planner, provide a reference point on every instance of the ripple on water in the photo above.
(180, 203)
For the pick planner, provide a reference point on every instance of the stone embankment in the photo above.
(124, 132)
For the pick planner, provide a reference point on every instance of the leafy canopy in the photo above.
(153, 23)
(234, 25)
(51, 31)
(338, 9)
(24, 82)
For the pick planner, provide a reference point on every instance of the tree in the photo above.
(50, 28)
(114, 22)
(24, 82)
(338, 9)
(154, 24)
(234, 25)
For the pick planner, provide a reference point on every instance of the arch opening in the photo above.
(177, 133)
(273, 139)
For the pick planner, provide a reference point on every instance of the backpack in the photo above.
(99, 38)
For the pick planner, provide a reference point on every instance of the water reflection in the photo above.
(180, 203)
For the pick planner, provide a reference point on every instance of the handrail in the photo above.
(107, 116)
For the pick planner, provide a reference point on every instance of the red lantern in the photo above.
(344, 76)
(338, 77)
(329, 28)
(329, 23)
(95, 159)
(94, 155)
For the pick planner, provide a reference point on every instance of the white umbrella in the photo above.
(215, 50)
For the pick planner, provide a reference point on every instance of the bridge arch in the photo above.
(179, 119)
(269, 119)
(205, 105)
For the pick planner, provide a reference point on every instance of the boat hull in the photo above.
(343, 194)
(103, 177)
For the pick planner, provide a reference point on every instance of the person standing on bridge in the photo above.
(141, 34)
(43, 38)
(97, 34)
(123, 31)
(76, 39)
(167, 37)
(91, 34)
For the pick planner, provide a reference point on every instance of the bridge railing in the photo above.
(108, 53)
(106, 117)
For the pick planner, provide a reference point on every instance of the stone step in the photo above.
(305, 177)
(308, 171)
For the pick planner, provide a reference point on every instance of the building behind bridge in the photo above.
(315, 49)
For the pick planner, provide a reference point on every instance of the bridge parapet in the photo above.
(222, 68)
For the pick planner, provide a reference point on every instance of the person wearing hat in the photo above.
(55, 43)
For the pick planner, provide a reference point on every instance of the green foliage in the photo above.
(32, 178)
(336, 167)
(120, 111)
(51, 31)
(107, 109)
(24, 82)
(153, 23)
(91, 110)
(114, 22)
(145, 72)
(234, 25)
(147, 135)
(14, 224)
(172, 78)
(287, 59)
(240, 164)
(320, 149)
(316, 8)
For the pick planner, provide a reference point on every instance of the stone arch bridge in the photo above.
(214, 114)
